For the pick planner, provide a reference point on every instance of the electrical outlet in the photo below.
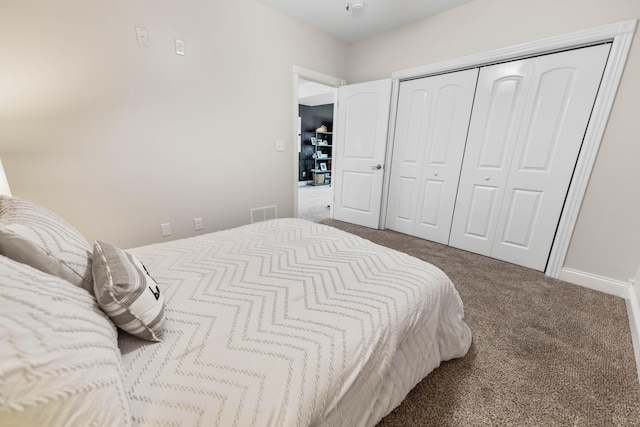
(165, 229)
(198, 224)
(280, 145)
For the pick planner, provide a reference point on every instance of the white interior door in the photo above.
(360, 138)
(498, 107)
(557, 113)
(430, 135)
(526, 132)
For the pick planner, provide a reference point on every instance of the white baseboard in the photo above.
(592, 281)
(625, 290)
(633, 311)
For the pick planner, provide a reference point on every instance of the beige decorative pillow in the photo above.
(59, 359)
(33, 235)
(126, 292)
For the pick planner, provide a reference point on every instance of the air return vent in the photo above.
(264, 213)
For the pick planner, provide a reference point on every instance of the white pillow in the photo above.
(33, 235)
(126, 292)
(59, 360)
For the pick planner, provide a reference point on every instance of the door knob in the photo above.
(435, 174)
(378, 166)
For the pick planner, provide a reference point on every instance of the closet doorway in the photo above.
(501, 193)
(620, 36)
(316, 106)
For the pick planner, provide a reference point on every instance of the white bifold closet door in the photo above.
(431, 129)
(528, 122)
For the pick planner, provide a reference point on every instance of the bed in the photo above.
(283, 322)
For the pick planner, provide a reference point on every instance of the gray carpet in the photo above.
(544, 352)
(314, 202)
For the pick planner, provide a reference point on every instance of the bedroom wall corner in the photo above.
(633, 310)
(630, 291)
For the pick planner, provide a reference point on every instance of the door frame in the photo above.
(620, 35)
(317, 77)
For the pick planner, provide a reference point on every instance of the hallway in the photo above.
(314, 202)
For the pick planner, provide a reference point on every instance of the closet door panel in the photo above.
(415, 129)
(561, 97)
(431, 126)
(497, 112)
(431, 203)
(444, 122)
(415, 103)
(522, 211)
(406, 190)
(548, 112)
(483, 205)
(496, 121)
(442, 161)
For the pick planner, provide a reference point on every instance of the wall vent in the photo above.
(263, 214)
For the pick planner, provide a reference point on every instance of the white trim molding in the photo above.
(627, 290)
(314, 76)
(620, 35)
(633, 312)
(622, 38)
(318, 77)
(595, 282)
(562, 42)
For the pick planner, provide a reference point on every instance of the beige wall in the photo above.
(607, 235)
(118, 138)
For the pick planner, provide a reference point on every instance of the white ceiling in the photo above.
(378, 16)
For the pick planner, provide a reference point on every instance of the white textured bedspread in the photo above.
(288, 323)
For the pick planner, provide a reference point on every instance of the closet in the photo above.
(431, 131)
(483, 158)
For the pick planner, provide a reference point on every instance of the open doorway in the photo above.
(316, 99)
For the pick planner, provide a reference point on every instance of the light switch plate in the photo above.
(142, 35)
(180, 49)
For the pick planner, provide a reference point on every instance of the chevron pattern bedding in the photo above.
(288, 323)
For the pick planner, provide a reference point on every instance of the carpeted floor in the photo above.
(544, 352)
(314, 202)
